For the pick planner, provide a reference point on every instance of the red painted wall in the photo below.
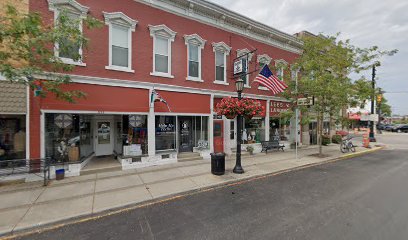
(183, 103)
(96, 55)
(103, 99)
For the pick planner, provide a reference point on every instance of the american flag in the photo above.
(270, 81)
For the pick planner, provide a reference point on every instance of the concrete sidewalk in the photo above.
(30, 205)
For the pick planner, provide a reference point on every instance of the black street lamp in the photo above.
(239, 84)
(371, 135)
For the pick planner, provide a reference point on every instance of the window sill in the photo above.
(247, 86)
(72, 62)
(120, 69)
(194, 79)
(263, 88)
(159, 74)
(221, 82)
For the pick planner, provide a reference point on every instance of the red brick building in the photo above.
(181, 49)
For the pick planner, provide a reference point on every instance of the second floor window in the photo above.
(161, 55)
(120, 41)
(220, 66)
(120, 46)
(193, 61)
(70, 13)
(162, 36)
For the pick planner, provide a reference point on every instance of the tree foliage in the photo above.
(27, 50)
(325, 68)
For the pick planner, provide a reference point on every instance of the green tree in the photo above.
(27, 50)
(325, 66)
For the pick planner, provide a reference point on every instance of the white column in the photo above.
(211, 124)
(267, 120)
(151, 134)
(27, 130)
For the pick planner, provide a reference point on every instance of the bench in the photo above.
(271, 145)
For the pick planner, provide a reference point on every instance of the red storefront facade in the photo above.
(183, 51)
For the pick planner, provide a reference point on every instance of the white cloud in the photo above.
(364, 22)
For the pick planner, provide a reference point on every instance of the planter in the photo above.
(248, 117)
(230, 116)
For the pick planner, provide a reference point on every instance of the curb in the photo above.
(126, 208)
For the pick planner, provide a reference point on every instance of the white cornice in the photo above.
(282, 61)
(242, 52)
(217, 16)
(221, 46)
(162, 30)
(264, 58)
(195, 39)
(120, 18)
(68, 4)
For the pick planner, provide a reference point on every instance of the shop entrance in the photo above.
(104, 136)
(218, 136)
(186, 134)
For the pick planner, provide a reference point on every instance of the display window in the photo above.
(254, 130)
(135, 133)
(12, 137)
(279, 129)
(165, 133)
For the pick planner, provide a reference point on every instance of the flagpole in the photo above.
(296, 118)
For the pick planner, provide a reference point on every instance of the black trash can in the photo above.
(218, 163)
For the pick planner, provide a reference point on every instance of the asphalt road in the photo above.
(360, 198)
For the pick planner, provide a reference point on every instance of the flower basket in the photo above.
(248, 117)
(231, 107)
(230, 116)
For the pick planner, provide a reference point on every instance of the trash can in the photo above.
(59, 174)
(218, 163)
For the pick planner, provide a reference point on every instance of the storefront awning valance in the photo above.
(102, 99)
(13, 97)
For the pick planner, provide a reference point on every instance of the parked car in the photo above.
(388, 127)
(401, 128)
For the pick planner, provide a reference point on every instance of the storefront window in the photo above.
(135, 132)
(279, 129)
(165, 132)
(62, 137)
(254, 130)
(12, 137)
(200, 129)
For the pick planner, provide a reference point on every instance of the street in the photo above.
(359, 198)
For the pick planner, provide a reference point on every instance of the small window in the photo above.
(162, 55)
(193, 61)
(120, 46)
(220, 66)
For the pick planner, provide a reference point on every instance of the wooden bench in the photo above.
(272, 145)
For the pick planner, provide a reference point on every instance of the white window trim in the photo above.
(240, 53)
(122, 20)
(195, 39)
(225, 49)
(281, 69)
(263, 58)
(164, 32)
(74, 7)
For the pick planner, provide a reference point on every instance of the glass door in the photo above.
(186, 134)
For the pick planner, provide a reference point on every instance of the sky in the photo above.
(366, 23)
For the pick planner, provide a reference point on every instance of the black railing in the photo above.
(40, 166)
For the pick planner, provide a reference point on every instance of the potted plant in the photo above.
(250, 149)
(251, 108)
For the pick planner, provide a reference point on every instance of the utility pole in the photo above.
(371, 136)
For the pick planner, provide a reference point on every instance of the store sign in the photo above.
(308, 101)
(369, 117)
(238, 66)
(166, 127)
(277, 107)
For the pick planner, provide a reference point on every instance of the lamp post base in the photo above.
(238, 169)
